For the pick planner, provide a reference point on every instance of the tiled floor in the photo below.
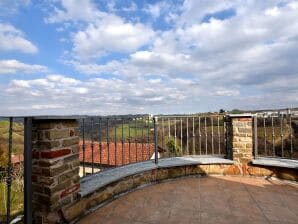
(204, 200)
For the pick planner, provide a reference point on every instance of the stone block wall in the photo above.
(240, 138)
(55, 171)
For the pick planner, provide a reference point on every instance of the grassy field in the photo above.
(17, 200)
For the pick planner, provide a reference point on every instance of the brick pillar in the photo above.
(240, 138)
(55, 171)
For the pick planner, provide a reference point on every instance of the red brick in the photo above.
(35, 154)
(34, 178)
(69, 190)
(55, 154)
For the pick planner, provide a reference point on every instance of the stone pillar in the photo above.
(240, 138)
(55, 171)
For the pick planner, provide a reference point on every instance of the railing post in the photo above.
(55, 170)
(240, 137)
(28, 170)
(9, 171)
(155, 140)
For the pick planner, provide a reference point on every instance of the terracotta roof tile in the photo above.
(137, 153)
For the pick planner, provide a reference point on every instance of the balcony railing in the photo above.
(15, 169)
(191, 135)
(276, 136)
(108, 142)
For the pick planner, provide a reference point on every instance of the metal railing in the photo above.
(276, 136)
(15, 169)
(113, 141)
(191, 135)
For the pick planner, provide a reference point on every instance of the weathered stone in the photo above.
(52, 190)
(57, 134)
(54, 171)
(71, 158)
(176, 172)
(75, 210)
(46, 145)
(68, 175)
(70, 141)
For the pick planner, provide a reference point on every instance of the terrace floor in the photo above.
(216, 199)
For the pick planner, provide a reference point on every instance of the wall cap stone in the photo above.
(276, 162)
(240, 115)
(96, 181)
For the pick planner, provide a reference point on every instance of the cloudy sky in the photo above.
(119, 57)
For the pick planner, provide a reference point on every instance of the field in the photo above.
(17, 199)
(17, 177)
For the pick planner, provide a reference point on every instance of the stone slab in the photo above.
(94, 182)
(276, 162)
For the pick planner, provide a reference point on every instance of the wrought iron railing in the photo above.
(276, 136)
(15, 169)
(191, 135)
(113, 141)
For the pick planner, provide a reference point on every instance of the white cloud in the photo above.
(13, 39)
(15, 66)
(110, 35)
(100, 32)
(70, 10)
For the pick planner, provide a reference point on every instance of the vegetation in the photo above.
(17, 193)
(17, 187)
(173, 148)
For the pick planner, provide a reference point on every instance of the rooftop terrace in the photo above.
(217, 199)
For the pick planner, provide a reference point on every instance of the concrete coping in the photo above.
(240, 115)
(92, 183)
(276, 162)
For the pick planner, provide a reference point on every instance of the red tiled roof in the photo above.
(17, 158)
(107, 158)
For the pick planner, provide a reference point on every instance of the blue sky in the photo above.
(119, 57)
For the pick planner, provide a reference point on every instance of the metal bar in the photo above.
(122, 140)
(200, 136)
(175, 136)
(100, 143)
(218, 133)
(282, 136)
(187, 143)
(256, 135)
(92, 146)
(273, 136)
(163, 135)
(212, 136)
(108, 141)
(206, 143)
(9, 169)
(155, 140)
(291, 135)
(28, 170)
(193, 137)
(181, 136)
(169, 126)
(148, 138)
(129, 140)
(142, 139)
(115, 141)
(136, 144)
(84, 149)
(265, 135)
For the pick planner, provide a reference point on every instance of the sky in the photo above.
(67, 57)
